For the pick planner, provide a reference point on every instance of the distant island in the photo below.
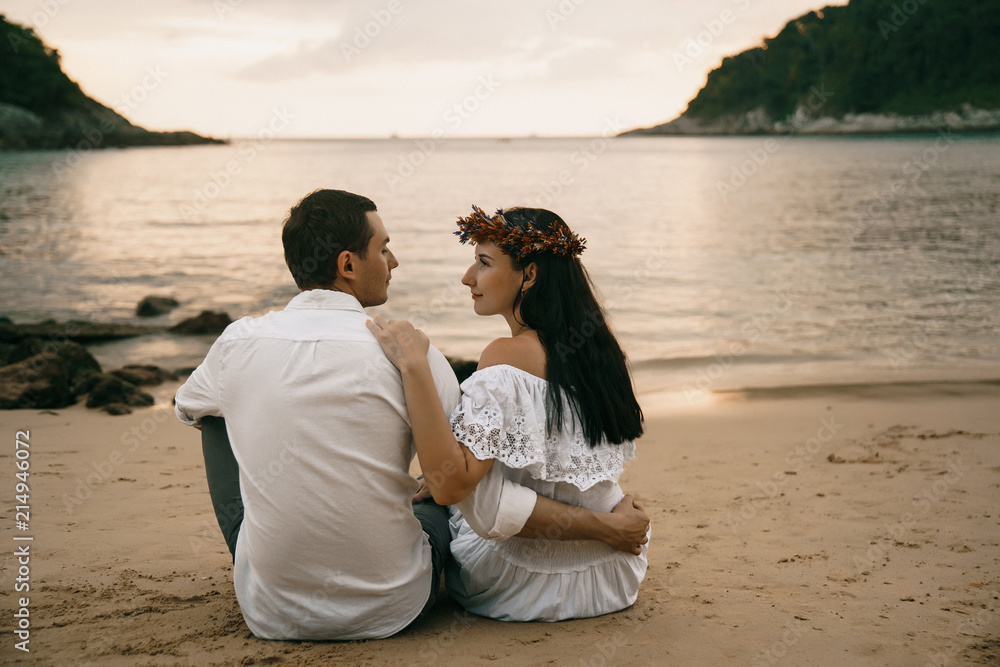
(872, 66)
(41, 107)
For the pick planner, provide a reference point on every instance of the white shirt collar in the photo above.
(323, 299)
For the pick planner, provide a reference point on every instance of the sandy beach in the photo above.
(854, 525)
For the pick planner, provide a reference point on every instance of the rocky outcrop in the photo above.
(49, 375)
(804, 122)
(143, 375)
(44, 374)
(109, 389)
(207, 322)
(42, 108)
(152, 305)
(40, 382)
(73, 330)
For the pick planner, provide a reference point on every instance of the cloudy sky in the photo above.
(370, 69)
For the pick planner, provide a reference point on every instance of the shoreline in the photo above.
(790, 526)
(965, 120)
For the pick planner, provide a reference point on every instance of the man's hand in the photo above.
(627, 526)
(423, 493)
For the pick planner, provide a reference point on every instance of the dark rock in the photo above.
(86, 382)
(207, 322)
(143, 375)
(26, 348)
(152, 306)
(463, 368)
(111, 389)
(41, 381)
(79, 362)
(5, 320)
(7, 353)
(117, 409)
(73, 330)
(185, 372)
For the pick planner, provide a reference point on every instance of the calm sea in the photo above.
(724, 262)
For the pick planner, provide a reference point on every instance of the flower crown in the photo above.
(518, 241)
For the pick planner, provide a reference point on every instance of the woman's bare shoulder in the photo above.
(524, 352)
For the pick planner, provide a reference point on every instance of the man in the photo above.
(314, 494)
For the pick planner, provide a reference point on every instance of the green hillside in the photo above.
(907, 57)
(41, 107)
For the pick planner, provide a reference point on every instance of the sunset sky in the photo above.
(230, 68)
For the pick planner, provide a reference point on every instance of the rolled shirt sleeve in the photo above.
(497, 508)
(199, 396)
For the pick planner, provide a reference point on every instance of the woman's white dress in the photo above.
(502, 416)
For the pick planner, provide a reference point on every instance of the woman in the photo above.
(552, 405)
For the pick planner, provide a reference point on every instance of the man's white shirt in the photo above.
(329, 547)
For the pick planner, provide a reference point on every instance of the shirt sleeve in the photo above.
(444, 379)
(497, 508)
(199, 396)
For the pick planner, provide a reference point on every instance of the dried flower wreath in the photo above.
(519, 240)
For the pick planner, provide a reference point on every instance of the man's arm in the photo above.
(499, 508)
(199, 395)
(624, 528)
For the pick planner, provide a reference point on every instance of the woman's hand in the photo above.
(631, 523)
(402, 343)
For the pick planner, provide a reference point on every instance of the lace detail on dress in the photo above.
(502, 416)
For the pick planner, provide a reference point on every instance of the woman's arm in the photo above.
(450, 470)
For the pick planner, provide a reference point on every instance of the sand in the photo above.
(825, 526)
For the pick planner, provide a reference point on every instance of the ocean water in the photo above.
(723, 262)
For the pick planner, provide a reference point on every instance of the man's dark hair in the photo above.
(320, 227)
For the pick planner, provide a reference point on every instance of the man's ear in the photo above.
(344, 264)
(530, 276)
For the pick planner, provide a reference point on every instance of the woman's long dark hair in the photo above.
(583, 358)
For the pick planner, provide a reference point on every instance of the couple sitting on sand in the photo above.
(308, 434)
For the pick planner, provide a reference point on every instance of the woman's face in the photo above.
(493, 281)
